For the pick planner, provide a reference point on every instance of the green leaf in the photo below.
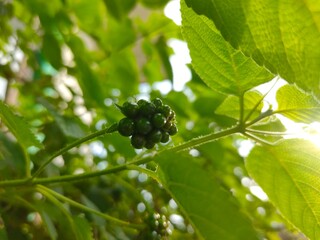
(281, 35)
(119, 8)
(269, 125)
(68, 125)
(156, 25)
(12, 159)
(297, 105)
(89, 14)
(118, 36)
(51, 50)
(121, 72)
(289, 174)
(3, 232)
(210, 209)
(219, 65)
(42, 7)
(154, 3)
(89, 83)
(231, 106)
(162, 48)
(18, 127)
(52, 231)
(82, 228)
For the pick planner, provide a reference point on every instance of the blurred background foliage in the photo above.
(63, 66)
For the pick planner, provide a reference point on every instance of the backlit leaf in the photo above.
(211, 209)
(281, 35)
(297, 105)
(219, 65)
(231, 106)
(290, 175)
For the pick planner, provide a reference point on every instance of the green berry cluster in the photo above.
(148, 123)
(157, 227)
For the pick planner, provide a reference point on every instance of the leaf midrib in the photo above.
(297, 187)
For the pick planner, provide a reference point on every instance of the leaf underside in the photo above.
(211, 209)
(290, 175)
(297, 105)
(220, 66)
(281, 35)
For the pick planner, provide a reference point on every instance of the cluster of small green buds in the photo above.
(148, 123)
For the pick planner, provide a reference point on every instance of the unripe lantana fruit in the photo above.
(148, 123)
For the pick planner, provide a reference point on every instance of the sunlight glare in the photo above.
(172, 11)
(309, 132)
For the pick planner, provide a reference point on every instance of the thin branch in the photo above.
(28, 163)
(145, 159)
(148, 172)
(262, 116)
(89, 210)
(205, 139)
(258, 103)
(257, 139)
(56, 202)
(111, 129)
(269, 132)
(241, 103)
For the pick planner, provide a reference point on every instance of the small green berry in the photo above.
(130, 109)
(158, 120)
(157, 102)
(172, 116)
(165, 110)
(141, 102)
(154, 136)
(126, 127)
(146, 108)
(138, 141)
(165, 137)
(173, 130)
(149, 145)
(167, 126)
(143, 126)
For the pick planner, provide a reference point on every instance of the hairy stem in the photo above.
(205, 139)
(144, 159)
(110, 129)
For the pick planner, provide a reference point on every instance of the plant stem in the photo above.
(269, 132)
(241, 103)
(69, 178)
(62, 208)
(185, 146)
(15, 182)
(205, 139)
(90, 210)
(257, 139)
(258, 103)
(148, 172)
(263, 115)
(28, 163)
(110, 129)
